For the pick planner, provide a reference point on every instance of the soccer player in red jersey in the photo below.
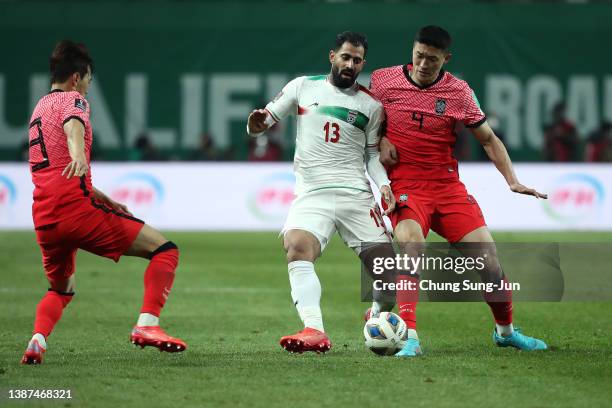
(70, 213)
(422, 103)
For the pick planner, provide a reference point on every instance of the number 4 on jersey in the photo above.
(335, 132)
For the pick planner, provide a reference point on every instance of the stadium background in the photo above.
(171, 72)
(175, 70)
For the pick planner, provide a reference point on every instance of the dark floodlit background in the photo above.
(176, 79)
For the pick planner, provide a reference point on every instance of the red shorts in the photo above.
(99, 230)
(441, 205)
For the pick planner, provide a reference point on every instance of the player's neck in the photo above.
(62, 87)
(418, 81)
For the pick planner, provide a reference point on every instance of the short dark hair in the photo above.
(67, 58)
(434, 36)
(356, 39)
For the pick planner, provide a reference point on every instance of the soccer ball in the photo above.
(385, 334)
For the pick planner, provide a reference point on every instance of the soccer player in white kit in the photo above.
(338, 124)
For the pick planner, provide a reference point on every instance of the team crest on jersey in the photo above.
(403, 198)
(351, 116)
(81, 104)
(440, 106)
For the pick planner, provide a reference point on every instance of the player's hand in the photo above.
(76, 168)
(388, 152)
(387, 195)
(118, 206)
(521, 189)
(257, 121)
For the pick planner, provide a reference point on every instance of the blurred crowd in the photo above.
(562, 143)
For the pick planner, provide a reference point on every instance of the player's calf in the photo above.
(159, 278)
(48, 313)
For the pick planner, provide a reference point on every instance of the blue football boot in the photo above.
(519, 340)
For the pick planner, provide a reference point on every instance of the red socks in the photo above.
(407, 299)
(501, 305)
(49, 311)
(158, 278)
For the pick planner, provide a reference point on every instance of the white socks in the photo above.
(41, 340)
(412, 334)
(378, 307)
(147, 319)
(306, 293)
(504, 330)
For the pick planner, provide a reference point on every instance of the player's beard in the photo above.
(340, 81)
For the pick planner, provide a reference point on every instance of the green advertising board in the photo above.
(177, 69)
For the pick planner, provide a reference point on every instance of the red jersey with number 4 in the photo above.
(55, 197)
(421, 121)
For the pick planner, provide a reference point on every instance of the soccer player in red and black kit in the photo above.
(70, 214)
(422, 104)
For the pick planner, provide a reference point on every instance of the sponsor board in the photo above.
(257, 196)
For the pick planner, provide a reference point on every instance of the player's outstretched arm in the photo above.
(75, 134)
(499, 156)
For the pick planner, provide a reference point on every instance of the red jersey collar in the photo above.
(406, 69)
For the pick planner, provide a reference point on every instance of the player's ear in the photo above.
(75, 78)
(332, 56)
(447, 57)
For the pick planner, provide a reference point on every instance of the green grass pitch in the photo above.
(231, 303)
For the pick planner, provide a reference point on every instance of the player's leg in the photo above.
(500, 302)
(479, 243)
(411, 222)
(159, 277)
(59, 264)
(362, 228)
(303, 248)
(459, 219)
(361, 225)
(112, 234)
(308, 228)
(409, 234)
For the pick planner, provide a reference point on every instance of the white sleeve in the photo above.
(286, 102)
(372, 156)
(283, 104)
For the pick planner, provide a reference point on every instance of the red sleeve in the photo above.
(75, 107)
(473, 115)
(374, 88)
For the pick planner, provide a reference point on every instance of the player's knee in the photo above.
(296, 253)
(298, 250)
(169, 251)
(410, 236)
(65, 297)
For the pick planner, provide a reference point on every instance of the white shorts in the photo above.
(353, 213)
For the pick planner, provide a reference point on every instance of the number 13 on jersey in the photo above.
(332, 132)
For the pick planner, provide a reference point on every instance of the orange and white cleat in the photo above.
(154, 336)
(308, 339)
(34, 353)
